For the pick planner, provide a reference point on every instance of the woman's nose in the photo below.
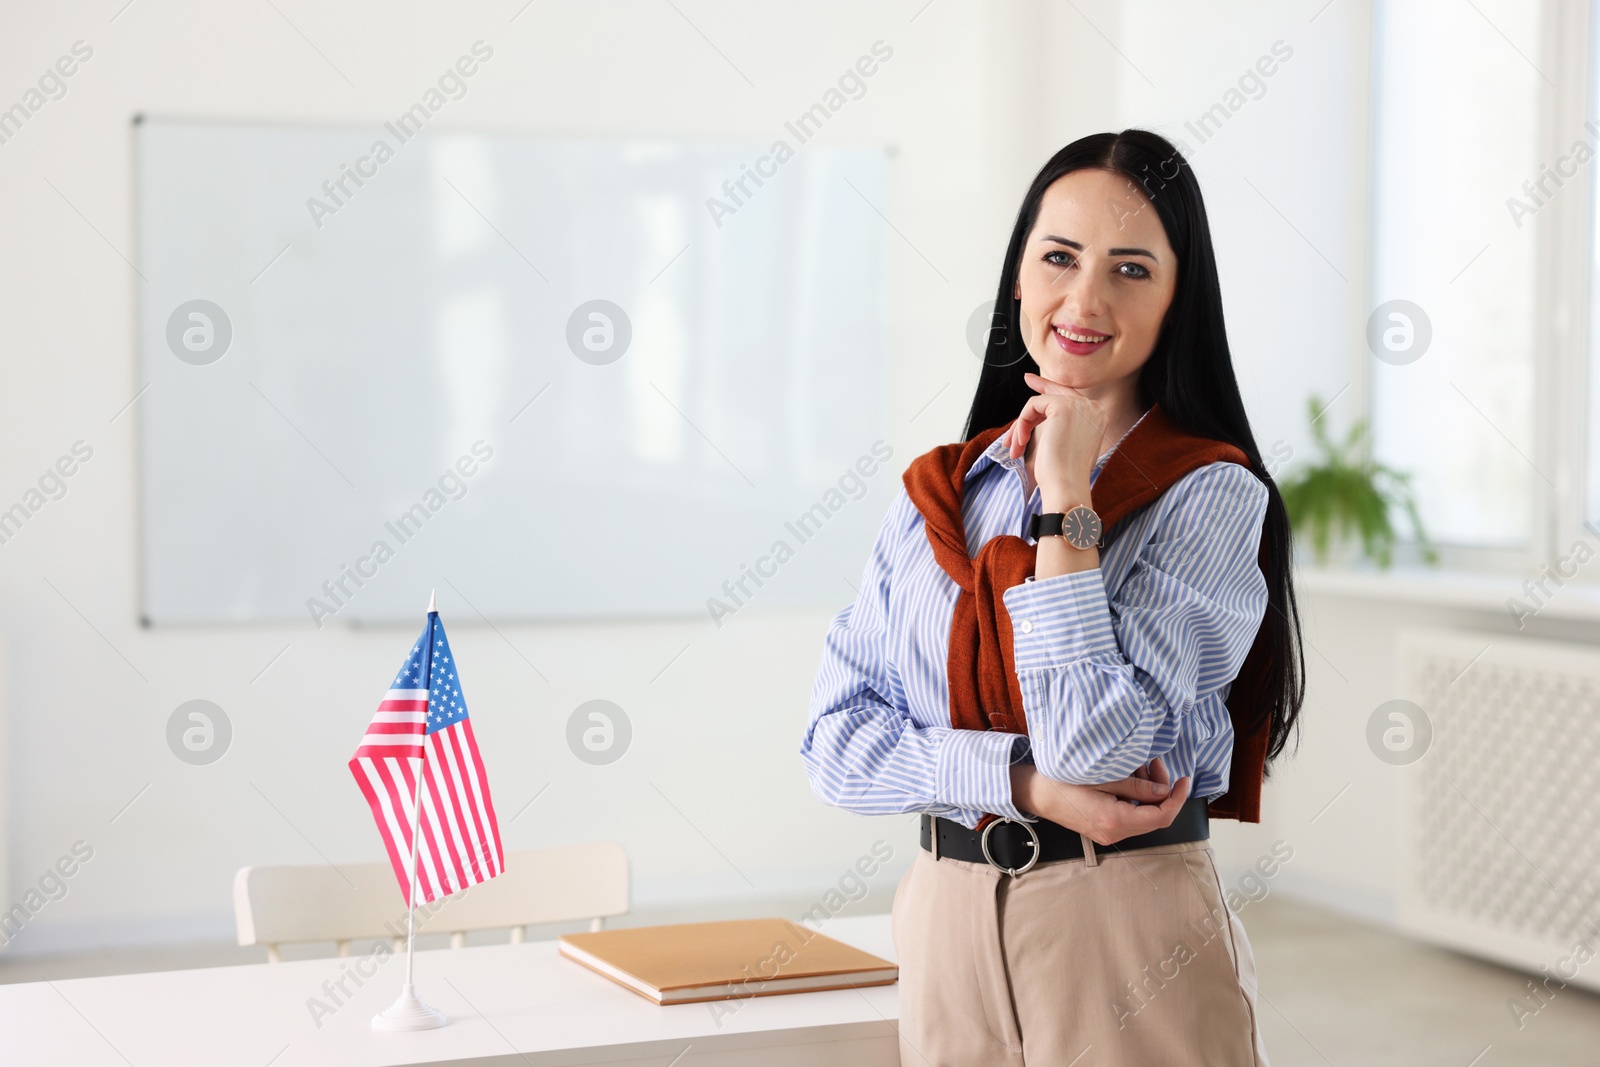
(1083, 297)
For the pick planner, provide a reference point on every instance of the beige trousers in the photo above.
(1125, 957)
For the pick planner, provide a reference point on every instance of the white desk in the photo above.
(509, 1006)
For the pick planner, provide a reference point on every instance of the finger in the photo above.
(1034, 411)
(1041, 384)
(1158, 815)
(1176, 799)
(1141, 789)
(1045, 386)
(1154, 771)
(1016, 437)
(1129, 821)
(1031, 415)
(1137, 791)
(1158, 772)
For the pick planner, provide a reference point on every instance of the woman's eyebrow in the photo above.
(1076, 247)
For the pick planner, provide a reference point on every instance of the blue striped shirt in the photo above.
(1117, 665)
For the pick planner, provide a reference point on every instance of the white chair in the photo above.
(275, 906)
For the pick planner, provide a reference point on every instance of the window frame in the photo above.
(1568, 282)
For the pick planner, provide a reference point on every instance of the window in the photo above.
(1455, 269)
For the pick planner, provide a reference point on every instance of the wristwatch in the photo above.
(1080, 526)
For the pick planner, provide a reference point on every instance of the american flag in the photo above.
(422, 728)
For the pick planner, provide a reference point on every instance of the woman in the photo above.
(1076, 641)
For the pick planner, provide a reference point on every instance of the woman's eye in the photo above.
(1059, 258)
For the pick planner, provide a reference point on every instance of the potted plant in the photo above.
(1346, 495)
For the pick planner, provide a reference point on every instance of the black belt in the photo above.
(1013, 847)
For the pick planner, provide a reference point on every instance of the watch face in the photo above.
(1081, 527)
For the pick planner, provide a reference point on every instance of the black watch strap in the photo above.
(1079, 526)
(1046, 525)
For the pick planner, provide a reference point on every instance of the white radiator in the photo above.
(1501, 815)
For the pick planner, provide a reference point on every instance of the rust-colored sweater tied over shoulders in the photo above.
(984, 690)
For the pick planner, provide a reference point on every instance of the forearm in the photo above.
(1090, 718)
(872, 761)
(1024, 779)
(1057, 557)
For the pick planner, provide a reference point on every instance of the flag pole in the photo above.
(416, 800)
(410, 1012)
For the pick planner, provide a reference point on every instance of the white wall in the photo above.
(975, 98)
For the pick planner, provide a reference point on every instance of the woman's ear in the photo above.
(1016, 290)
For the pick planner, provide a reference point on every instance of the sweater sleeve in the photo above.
(1107, 683)
(862, 750)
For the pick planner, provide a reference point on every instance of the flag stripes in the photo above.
(421, 733)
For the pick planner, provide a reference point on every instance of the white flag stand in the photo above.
(410, 1012)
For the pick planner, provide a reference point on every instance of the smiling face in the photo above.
(1095, 281)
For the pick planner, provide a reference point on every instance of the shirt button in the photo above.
(1026, 626)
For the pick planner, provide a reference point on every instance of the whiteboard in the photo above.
(555, 377)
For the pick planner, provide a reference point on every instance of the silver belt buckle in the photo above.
(1034, 844)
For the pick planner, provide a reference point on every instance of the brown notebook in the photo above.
(685, 963)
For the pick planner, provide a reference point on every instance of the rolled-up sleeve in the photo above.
(1108, 680)
(862, 750)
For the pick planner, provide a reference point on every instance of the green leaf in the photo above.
(1346, 494)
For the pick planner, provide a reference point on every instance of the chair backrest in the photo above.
(274, 906)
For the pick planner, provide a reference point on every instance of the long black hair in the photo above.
(1189, 372)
